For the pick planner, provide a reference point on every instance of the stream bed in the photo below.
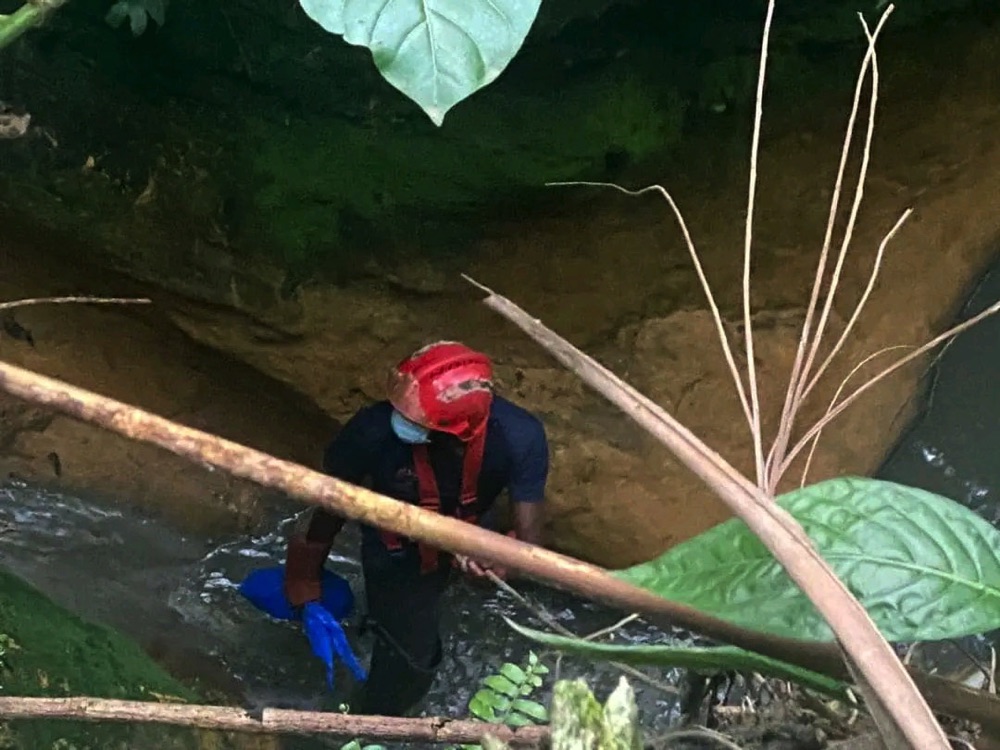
(176, 595)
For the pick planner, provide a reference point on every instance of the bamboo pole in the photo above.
(551, 568)
(270, 721)
(783, 536)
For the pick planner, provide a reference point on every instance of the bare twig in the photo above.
(271, 721)
(611, 628)
(799, 372)
(772, 524)
(859, 192)
(758, 441)
(992, 685)
(544, 616)
(727, 350)
(73, 300)
(457, 536)
(821, 370)
(836, 395)
(949, 334)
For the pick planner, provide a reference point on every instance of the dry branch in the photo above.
(800, 367)
(271, 720)
(73, 300)
(773, 525)
(457, 536)
(411, 521)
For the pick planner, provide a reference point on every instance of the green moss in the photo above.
(319, 179)
(48, 651)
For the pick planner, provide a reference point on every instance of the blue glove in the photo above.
(265, 590)
(328, 641)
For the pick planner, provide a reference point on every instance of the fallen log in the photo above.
(270, 721)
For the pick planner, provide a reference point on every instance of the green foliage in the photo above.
(137, 12)
(437, 52)
(51, 652)
(925, 567)
(318, 178)
(697, 659)
(580, 722)
(355, 745)
(505, 697)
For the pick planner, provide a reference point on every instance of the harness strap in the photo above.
(430, 496)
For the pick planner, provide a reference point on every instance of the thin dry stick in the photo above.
(611, 628)
(758, 442)
(772, 524)
(873, 277)
(840, 388)
(790, 406)
(950, 333)
(458, 537)
(544, 616)
(73, 300)
(727, 350)
(271, 720)
(859, 192)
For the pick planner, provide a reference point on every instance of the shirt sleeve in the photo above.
(349, 454)
(530, 471)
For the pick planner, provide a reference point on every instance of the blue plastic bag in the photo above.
(265, 589)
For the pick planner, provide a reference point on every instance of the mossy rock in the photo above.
(50, 652)
(326, 186)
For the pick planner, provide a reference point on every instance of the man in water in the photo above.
(444, 441)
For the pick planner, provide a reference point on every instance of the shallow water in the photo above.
(177, 596)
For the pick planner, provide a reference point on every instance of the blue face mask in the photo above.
(407, 431)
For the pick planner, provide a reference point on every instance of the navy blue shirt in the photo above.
(516, 458)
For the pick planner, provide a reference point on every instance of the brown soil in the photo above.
(613, 276)
(136, 355)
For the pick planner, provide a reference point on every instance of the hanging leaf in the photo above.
(699, 659)
(437, 52)
(925, 567)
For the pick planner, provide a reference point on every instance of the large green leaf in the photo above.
(715, 659)
(925, 567)
(437, 52)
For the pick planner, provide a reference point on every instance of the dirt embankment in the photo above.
(615, 278)
(135, 354)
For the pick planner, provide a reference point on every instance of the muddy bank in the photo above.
(610, 273)
(135, 354)
(613, 275)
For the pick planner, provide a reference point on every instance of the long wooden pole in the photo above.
(783, 536)
(270, 721)
(456, 536)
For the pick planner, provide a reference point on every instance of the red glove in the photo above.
(303, 569)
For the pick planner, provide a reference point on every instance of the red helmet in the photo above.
(446, 387)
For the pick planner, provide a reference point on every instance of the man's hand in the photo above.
(480, 570)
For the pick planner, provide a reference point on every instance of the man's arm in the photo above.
(527, 493)
(528, 519)
(345, 458)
